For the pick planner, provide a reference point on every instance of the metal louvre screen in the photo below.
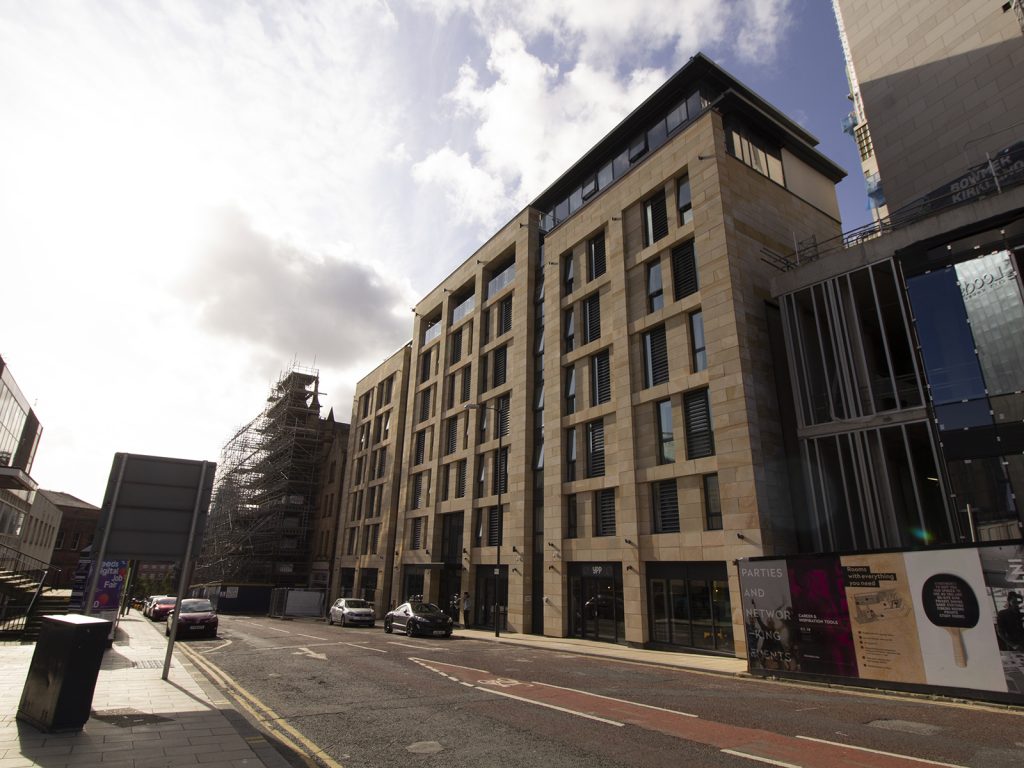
(684, 270)
(604, 512)
(700, 439)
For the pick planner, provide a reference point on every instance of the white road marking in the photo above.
(880, 752)
(225, 644)
(621, 701)
(457, 666)
(760, 759)
(311, 654)
(362, 647)
(264, 626)
(418, 647)
(311, 637)
(550, 706)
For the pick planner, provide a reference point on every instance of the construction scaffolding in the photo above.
(264, 494)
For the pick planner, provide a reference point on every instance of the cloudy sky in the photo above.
(196, 194)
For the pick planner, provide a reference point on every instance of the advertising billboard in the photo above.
(935, 619)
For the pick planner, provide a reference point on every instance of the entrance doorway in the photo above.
(689, 606)
(487, 585)
(448, 600)
(595, 602)
(412, 584)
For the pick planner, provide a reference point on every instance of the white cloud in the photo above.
(473, 196)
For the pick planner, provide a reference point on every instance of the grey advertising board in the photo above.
(149, 504)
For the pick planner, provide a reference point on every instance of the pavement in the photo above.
(141, 721)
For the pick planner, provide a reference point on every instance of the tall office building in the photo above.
(365, 546)
(594, 430)
(935, 88)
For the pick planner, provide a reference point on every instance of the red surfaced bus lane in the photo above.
(749, 743)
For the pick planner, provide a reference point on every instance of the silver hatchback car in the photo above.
(351, 611)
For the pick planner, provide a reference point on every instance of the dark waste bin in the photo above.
(62, 678)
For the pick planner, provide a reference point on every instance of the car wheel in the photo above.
(410, 629)
(344, 623)
(387, 626)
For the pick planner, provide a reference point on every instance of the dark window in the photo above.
(426, 402)
(451, 435)
(591, 318)
(499, 477)
(684, 201)
(604, 512)
(570, 390)
(697, 344)
(655, 291)
(503, 404)
(638, 148)
(570, 454)
(500, 358)
(595, 449)
(425, 365)
(571, 517)
(416, 534)
(350, 548)
(456, 344)
(655, 219)
(570, 329)
(505, 316)
(684, 271)
(467, 383)
(712, 503)
(595, 257)
(600, 378)
(417, 491)
(666, 438)
(59, 543)
(478, 527)
(460, 479)
(655, 357)
(493, 526)
(420, 450)
(485, 326)
(449, 390)
(568, 274)
(665, 500)
(700, 438)
(589, 187)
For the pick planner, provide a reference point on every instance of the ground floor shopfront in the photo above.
(685, 606)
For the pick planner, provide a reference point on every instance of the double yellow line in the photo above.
(264, 716)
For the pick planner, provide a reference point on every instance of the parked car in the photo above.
(351, 610)
(416, 618)
(147, 604)
(160, 607)
(196, 617)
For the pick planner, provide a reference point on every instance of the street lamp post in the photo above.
(502, 473)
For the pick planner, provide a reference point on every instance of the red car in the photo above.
(161, 607)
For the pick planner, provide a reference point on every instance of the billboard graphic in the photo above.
(950, 618)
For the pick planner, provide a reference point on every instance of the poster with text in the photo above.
(768, 615)
(825, 644)
(1003, 569)
(882, 619)
(955, 622)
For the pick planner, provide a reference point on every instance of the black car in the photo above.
(417, 618)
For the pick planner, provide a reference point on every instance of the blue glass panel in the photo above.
(951, 365)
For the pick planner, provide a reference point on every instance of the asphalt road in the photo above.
(359, 697)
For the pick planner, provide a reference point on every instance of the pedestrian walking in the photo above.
(467, 609)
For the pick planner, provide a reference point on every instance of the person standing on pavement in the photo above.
(467, 609)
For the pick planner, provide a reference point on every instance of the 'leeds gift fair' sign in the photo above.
(948, 618)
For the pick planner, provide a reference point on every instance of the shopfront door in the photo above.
(488, 584)
(596, 601)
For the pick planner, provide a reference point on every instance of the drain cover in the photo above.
(906, 726)
(126, 718)
(425, 748)
(148, 664)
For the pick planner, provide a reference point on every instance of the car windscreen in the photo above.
(167, 601)
(356, 604)
(196, 606)
(425, 608)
